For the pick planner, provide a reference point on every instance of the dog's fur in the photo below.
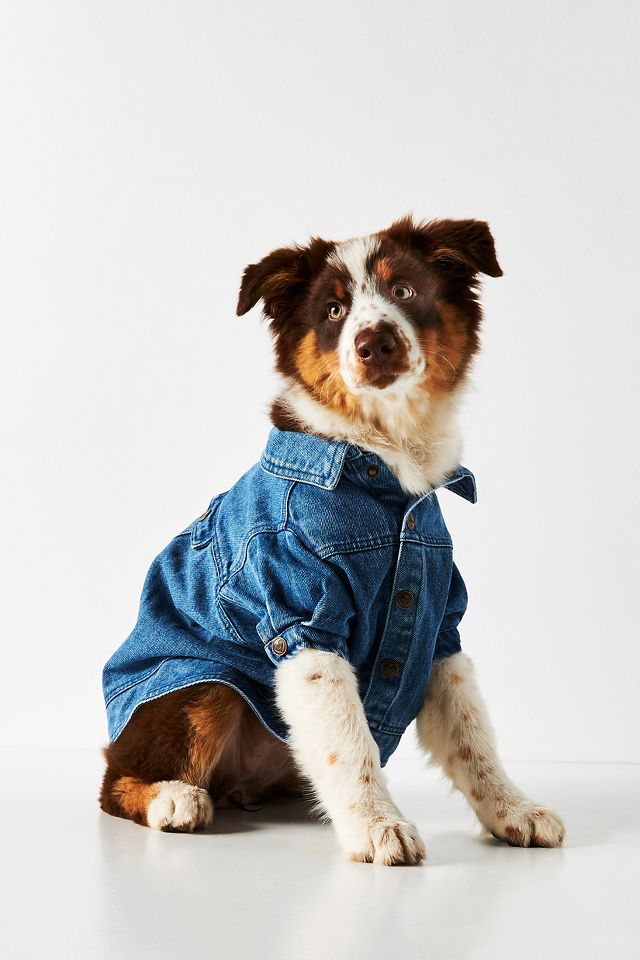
(374, 338)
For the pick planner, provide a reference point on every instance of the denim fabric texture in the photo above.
(316, 546)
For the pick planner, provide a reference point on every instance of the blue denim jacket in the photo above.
(315, 546)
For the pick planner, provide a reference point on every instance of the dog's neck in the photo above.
(416, 436)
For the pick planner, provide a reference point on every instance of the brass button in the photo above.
(203, 516)
(389, 669)
(372, 471)
(411, 522)
(279, 646)
(404, 599)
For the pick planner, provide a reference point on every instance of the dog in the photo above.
(288, 636)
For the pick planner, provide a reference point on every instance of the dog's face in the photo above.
(382, 315)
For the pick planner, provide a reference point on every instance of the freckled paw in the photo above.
(180, 807)
(526, 824)
(391, 843)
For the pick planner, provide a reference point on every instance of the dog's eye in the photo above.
(402, 291)
(335, 310)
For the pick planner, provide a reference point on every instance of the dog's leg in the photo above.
(318, 697)
(454, 727)
(159, 770)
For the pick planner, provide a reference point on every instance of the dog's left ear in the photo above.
(463, 245)
(281, 278)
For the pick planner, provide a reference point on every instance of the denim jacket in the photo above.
(316, 546)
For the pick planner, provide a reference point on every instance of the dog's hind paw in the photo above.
(179, 807)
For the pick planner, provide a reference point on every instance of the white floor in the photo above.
(76, 883)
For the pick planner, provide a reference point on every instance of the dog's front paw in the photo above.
(179, 807)
(525, 824)
(389, 841)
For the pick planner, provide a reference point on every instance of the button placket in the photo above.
(416, 509)
(398, 636)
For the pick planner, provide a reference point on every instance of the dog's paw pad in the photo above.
(180, 806)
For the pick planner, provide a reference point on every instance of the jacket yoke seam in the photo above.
(273, 527)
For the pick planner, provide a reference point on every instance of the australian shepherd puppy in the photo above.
(291, 633)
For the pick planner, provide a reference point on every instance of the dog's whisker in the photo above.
(453, 369)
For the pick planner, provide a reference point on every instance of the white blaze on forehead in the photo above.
(352, 256)
(368, 309)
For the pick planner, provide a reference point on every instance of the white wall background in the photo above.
(151, 149)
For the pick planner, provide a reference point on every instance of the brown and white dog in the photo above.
(386, 374)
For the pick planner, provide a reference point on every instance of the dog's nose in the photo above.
(375, 346)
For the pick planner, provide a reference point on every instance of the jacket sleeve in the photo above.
(448, 639)
(290, 597)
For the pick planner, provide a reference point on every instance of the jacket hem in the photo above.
(171, 688)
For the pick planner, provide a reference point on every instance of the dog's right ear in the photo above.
(281, 278)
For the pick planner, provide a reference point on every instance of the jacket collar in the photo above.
(314, 460)
(301, 456)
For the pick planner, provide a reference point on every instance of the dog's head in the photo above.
(382, 315)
